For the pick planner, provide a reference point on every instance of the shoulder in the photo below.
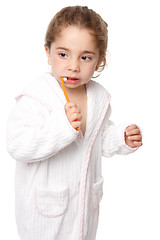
(43, 89)
(40, 82)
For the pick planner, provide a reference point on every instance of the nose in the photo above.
(74, 65)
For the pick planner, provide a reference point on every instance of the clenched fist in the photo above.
(133, 137)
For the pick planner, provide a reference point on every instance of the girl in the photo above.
(58, 145)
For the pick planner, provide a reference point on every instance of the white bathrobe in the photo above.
(58, 172)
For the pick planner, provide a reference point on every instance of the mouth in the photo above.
(71, 80)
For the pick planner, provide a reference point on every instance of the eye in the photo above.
(86, 58)
(63, 55)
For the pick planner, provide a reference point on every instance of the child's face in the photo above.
(74, 55)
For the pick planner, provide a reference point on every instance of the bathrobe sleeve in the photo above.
(113, 141)
(34, 133)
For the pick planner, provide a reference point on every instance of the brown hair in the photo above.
(83, 17)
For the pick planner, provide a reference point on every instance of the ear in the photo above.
(99, 62)
(47, 49)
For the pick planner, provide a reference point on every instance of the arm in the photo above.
(115, 139)
(34, 133)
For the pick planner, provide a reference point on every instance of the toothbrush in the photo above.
(64, 79)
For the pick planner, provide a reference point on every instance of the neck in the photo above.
(76, 91)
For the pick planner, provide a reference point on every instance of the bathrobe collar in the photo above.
(47, 91)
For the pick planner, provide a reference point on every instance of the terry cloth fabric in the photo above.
(58, 173)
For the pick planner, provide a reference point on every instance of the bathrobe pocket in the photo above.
(97, 193)
(51, 203)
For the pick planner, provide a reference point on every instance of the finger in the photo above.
(72, 111)
(76, 124)
(133, 132)
(72, 108)
(135, 138)
(131, 127)
(69, 105)
(75, 116)
(138, 143)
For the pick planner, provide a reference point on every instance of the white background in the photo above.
(130, 208)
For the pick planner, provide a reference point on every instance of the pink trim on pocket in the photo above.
(48, 201)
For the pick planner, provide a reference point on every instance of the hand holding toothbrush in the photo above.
(72, 111)
(73, 114)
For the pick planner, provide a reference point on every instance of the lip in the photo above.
(72, 80)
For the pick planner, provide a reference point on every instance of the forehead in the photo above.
(77, 37)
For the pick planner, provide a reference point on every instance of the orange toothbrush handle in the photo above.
(66, 95)
(64, 90)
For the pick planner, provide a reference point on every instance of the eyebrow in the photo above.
(62, 48)
(85, 51)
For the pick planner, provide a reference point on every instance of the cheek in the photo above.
(57, 66)
(89, 69)
(54, 61)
